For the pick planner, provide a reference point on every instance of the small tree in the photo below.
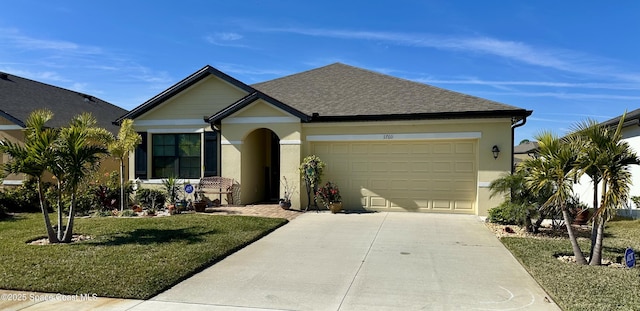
(605, 158)
(554, 168)
(311, 170)
(34, 157)
(120, 148)
(78, 152)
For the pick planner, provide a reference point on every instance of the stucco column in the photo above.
(290, 157)
(231, 166)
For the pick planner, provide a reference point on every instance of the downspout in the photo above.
(513, 131)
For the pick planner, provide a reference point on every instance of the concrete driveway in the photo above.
(376, 261)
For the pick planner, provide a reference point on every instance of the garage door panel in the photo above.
(441, 204)
(442, 148)
(403, 175)
(464, 167)
(378, 202)
(378, 149)
(464, 205)
(359, 166)
(465, 148)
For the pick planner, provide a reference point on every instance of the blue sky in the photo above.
(565, 60)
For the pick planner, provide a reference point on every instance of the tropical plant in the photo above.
(172, 188)
(126, 142)
(553, 168)
(33, 157)
(329, 193)
(605, 158)
(78, 152)
(150, 198)
(520, 203)
(311, 170)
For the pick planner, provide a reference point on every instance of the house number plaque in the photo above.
(387, 136)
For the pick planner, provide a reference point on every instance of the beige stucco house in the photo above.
(390, 144)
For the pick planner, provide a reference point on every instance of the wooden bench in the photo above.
(217, 185)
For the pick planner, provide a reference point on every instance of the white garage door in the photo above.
(403, 175)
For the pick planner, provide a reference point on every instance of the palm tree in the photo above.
(78, 152)
(34, 157)
(554, 168)
(120, 148)
(605, 158)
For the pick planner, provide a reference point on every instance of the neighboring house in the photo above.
(19, 97)
(630, 134)
(525, 150)
(389, 143)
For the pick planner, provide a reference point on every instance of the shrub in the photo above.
(150, 198)
(508, 213)
(23, 198)
(128, 213)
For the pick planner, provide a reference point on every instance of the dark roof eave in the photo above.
(181, 86)
(517, 114)
(12, 119)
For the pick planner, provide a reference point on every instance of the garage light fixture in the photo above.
(496, 151)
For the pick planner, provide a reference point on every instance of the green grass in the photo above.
(127, 257)
(576, 287)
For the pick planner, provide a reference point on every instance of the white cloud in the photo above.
(228, 39)
(559, 59)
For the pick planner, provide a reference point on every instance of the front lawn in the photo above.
(576, 287)
(127, 257)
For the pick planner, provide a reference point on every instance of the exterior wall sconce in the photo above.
(496, 151)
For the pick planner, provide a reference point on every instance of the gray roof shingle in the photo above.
(341, 90)
(19, 97)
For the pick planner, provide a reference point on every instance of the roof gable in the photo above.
(182, 85)
(251, 98)
(340, 91)
(19, 97)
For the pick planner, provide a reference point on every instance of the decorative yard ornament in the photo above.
(311, 170)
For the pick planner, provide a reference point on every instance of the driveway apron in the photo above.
(373, 261)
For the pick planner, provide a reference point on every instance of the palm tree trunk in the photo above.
(121, 184)
(596, 255)
(59, 202)
(51, 235)
(577, 252)
(595, 224)
(68, 233)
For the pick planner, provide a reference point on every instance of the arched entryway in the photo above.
(261, 166)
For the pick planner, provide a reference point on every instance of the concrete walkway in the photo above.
(376, 261)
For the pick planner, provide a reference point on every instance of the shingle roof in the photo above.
(19, 97)
(339, 90)
(526, 147)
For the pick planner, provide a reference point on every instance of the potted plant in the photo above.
(329, 195)
(199, 204)
(285, 201)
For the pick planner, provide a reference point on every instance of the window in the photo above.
(176, 155)
(141, 157)
(210, 154)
